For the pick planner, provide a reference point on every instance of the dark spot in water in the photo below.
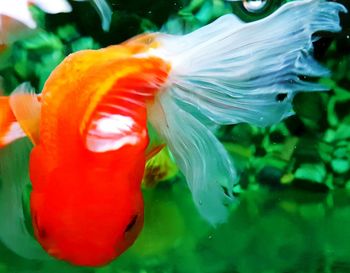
(277, 137)
(225, 191)
(131, 223)
(270, 176)
(260, 151)
(281, 97)
(312, 186)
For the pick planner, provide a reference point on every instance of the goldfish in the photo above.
(89, 125)
(16, 21)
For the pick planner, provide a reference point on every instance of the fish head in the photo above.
(88, 214)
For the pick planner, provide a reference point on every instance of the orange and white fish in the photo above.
(16, 19)
(89, 124)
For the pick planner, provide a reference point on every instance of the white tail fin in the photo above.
(230, 72)
(53, 7)
(200, 156)
(235, 72)
(104, 11)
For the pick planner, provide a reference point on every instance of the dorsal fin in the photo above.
(117, 115)
(27, 108)
(118, 119)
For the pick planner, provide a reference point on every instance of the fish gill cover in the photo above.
(293, 207)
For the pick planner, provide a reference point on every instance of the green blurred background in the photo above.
(293, 198)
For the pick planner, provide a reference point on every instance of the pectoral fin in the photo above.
(10, 130)
(160, 167)
(153, 151)
(14, 233)
(26, 109)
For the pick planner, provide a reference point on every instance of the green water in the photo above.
(268, 231)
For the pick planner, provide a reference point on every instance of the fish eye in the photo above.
(41, 231)
(131, 223)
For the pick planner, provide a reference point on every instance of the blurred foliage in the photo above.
(293, 210)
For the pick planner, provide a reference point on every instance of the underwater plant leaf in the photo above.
(341, 93)
(21, 64)
(325, 149)
(342, 132)
(311, 109)
(84, 43)
(311, 172)
(340, 165)
(67, 32)
(147, 26)
(307, 150)
(38, 15)
(41, 41)
(48, 62)
(342, 151)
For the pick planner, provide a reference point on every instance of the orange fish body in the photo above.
(87, 206)
(88, 162)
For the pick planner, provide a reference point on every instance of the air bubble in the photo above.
(255, 5)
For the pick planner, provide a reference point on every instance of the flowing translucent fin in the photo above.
(14, 178)
(200, 156)
(15, 10)
(57, 6)
(10, 130)
(104, 11)
(230, 72)
(27, 109)
(233, 72)
(53, 7)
